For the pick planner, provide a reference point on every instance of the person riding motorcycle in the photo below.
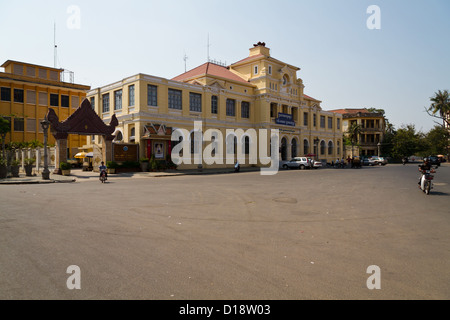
(102, 168)
(423, 168)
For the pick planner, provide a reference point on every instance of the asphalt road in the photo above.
(296, 235)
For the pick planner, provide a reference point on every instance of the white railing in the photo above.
(37, 154)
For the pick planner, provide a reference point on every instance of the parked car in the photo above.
(314, 163)
(296, 163)
(434, 160)
(378, 160)
(366, 161)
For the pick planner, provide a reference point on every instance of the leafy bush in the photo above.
(112, 164)
(64, 166)
(144, 160)
(15, 163)
(129, 164)
(29, 161)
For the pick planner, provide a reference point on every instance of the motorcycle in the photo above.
(103, 176)
(426, 180)
(404, 161)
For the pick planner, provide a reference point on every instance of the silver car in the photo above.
(296, 163)
(378, 160)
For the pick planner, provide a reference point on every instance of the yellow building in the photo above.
(26, 93)
(372, 127)
(258, 92)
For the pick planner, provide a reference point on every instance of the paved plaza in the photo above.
(296, 235)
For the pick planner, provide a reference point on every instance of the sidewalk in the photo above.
(77, 175)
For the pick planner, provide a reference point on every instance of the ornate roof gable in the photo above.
(84, 121)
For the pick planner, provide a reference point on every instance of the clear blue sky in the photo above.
(343, 63)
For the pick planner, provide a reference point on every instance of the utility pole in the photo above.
(54, 44)
(207, 48)
(185, 59)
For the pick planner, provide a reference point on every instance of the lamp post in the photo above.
(316, 147)
(45, 125)
(379, 146)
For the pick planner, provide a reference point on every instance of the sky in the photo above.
(394, 58)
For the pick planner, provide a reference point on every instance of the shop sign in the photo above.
(285, 119)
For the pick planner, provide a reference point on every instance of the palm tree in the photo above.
(440, 106)
(353, 133)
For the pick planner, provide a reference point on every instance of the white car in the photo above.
(296, 163)
(378, 160)
(315, 164)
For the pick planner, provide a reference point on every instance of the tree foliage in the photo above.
(440, 106)
(407, 142)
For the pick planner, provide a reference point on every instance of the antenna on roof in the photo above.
(207, 48)
(55, 47)
(185, 58)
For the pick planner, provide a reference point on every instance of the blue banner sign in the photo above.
(285, 119)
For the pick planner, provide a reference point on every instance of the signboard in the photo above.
(285, 119)
(159, 150)
(125, 152)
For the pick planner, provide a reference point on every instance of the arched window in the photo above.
(246, 145)
(132, 134)
(294, 148)
(119, 136)
(322, 147)
(191, 138)
(330, 148)
(305, 147)
(283, 149)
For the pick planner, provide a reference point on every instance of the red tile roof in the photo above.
(209, 69)
(308, 97)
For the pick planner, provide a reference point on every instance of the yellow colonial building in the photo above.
(258, 92)
(372, 127)
(26, 93)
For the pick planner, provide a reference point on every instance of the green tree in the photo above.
(352, 134)
(407, 142)
(436, 141)
(5, 127)
(375, 110)
(388, 138)
(440, 106)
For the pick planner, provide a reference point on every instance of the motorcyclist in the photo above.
(423, 168)
(102, 168)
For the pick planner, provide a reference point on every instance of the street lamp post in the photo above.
(45, 125)
(379, 146)
(316, 147)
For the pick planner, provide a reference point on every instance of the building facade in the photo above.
(27, 91)
(372, 128)
(258, 92)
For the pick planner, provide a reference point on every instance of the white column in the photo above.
(38, 158)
